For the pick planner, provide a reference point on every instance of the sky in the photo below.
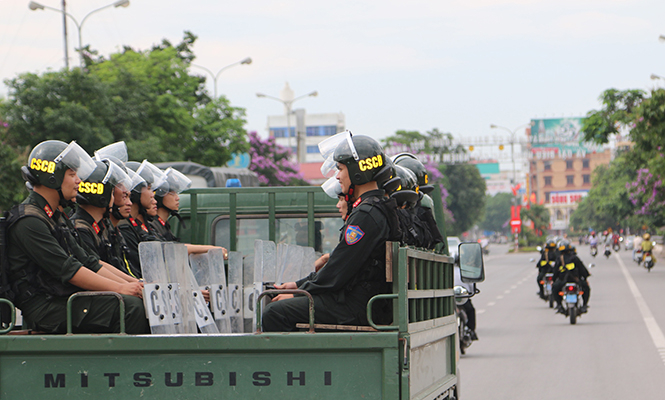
(388, 65)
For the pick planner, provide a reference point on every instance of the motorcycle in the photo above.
(547, 288)
(607, 252)
(616, 247)
(638, 256)
(594, 250)
(572, 301)
(463, 331)
(648, 261)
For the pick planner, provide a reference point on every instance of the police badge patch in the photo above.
(353, 234)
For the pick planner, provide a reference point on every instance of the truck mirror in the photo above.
(471, 262)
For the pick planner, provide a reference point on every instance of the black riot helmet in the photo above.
(363, 156)
(135, 195)
(412, 162)
(97, 189)
(49, 160)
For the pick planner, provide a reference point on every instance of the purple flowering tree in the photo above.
(646, 193)
(271, 162)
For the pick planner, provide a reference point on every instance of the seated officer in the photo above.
(47, 264)
(356, 269)
(96, 232)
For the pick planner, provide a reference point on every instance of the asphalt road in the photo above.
(526, 351)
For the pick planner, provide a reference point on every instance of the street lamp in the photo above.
(247, 61)
(512, 157)
(36, 6)
(287, 106)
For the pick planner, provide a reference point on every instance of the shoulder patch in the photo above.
(355, 204)
(353, 234)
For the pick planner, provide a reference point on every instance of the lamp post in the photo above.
(512, 157)
(36, 6)
(246, 61)
(288, 103)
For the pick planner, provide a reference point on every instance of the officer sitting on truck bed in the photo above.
(46, 262)
(356, 269)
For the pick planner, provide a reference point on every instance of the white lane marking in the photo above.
(499, 297)
(652, 326)
(491, 303)
(507, 291)
(514, 286)
(481, 311)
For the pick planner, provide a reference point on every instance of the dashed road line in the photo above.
(652, 326)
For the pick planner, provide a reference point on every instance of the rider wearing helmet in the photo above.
(647, 246)
(545, 264)
(569, 268)
(355, 271)
(46, 263)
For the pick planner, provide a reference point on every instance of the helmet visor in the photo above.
(77, 159)
(327, 147)
(332, 187)
(135, 179)
(117, 150)
(158, 181)
(117, 177)
(177, 181)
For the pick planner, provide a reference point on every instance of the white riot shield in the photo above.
(155, 289)
(204, 319)
(219, 291)
(309, 258)
(293, 262)
(175, 256)
(235, 291)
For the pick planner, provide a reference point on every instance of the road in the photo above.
(526, 351)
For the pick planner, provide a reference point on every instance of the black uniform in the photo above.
(102, 240)
(545, 265)
(354, 273)
(161, 229)
(569, 268)
(134, 232)
(44, 255)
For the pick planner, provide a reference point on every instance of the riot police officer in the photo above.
(47, 263)
(356, 269)
(569, 268)
(545, 264)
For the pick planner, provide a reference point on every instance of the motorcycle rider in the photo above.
(547, 255)
(569, 268)
(647, 246)
(593, 242)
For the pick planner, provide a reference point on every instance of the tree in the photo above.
(540, 217)
(466, 195)
(497, 212)
(11, 160)
(146, 98)
(271, 162)
(434, 143)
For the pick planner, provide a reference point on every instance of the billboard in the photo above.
(559, 137)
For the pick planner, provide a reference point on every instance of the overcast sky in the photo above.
(387, 65)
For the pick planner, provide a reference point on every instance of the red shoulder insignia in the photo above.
(161, 221)
(131, 220)
(355, 204)
(48, 211)
(95, 227)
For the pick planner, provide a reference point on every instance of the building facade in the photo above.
(561, 167)
(309, 128)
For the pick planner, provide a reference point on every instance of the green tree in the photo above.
(11, 160)
(540, 217)
(466, 196)
(618, 111)
(497, 212)
(433, 143)
(146, 98)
